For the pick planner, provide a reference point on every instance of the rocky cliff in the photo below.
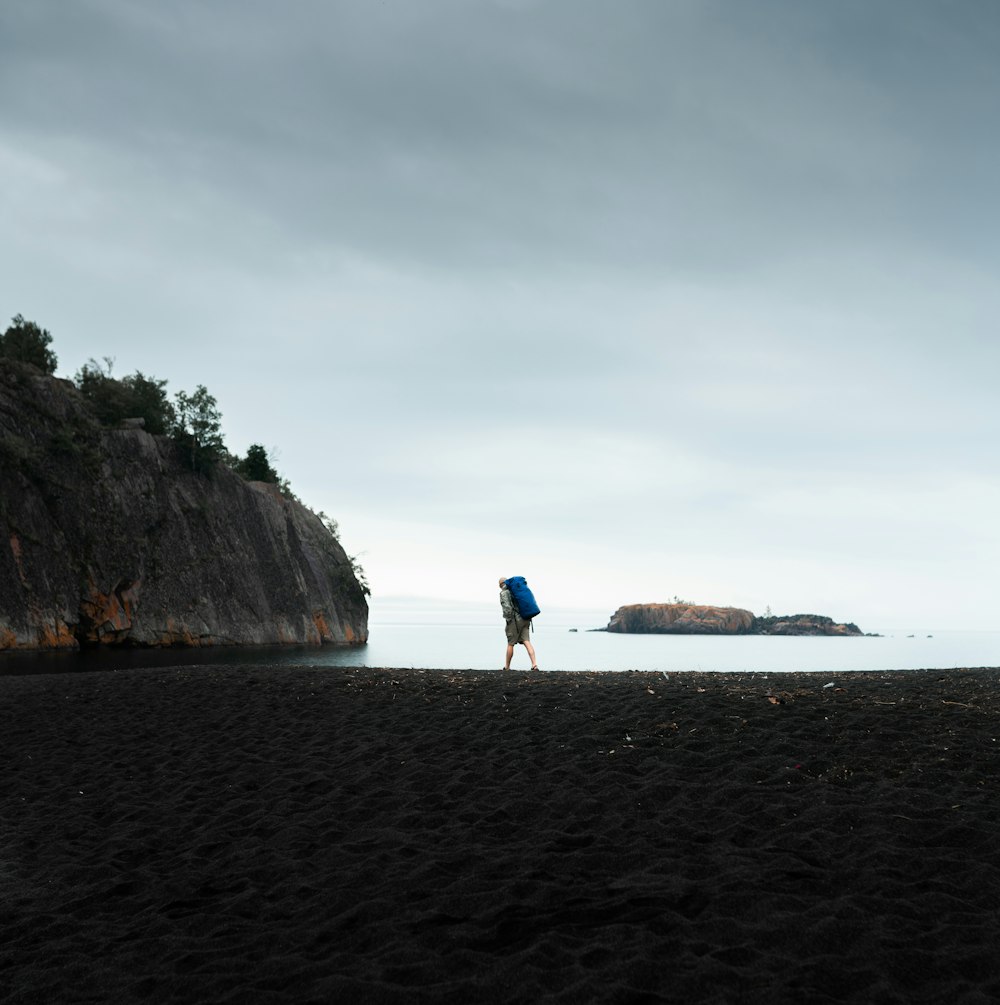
(680, 619)
(106, 538)
(802, 624)
(697, 619)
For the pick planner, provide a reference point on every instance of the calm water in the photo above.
(473, 640)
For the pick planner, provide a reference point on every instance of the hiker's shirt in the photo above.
(507, 605)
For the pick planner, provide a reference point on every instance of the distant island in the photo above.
(700, 619)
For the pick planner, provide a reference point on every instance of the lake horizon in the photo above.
(463, 639)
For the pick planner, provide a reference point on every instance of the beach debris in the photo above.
(650, 690)
(831, 684)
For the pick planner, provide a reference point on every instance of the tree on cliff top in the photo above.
(27, 343)
(194, 422)
(198, 428)
(256, 466)
(133, 397)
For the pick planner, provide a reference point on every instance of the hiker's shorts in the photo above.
(518, 631)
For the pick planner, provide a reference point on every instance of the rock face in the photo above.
(680, 619)
(802, 624)
(106, 538)
(696, 619)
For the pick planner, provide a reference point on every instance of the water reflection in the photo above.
(110, 659)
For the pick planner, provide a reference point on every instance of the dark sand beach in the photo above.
(244, 834)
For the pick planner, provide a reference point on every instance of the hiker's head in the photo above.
(503, 582)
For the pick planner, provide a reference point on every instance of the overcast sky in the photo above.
(637, 299)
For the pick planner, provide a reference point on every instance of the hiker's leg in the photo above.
(531, 653)
(510, 656)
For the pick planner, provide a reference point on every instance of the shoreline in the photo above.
(463, 647)
(233, 833)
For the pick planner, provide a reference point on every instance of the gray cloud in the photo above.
(690, 137)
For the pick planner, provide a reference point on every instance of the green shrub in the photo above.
(256, 466)
(27, 343)
(133, 397)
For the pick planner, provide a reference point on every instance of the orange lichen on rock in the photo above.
(323, 632)
(108, 615)
(57, 636)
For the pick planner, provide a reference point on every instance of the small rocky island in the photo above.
(700, 619)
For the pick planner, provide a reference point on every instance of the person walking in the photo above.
(518, 629)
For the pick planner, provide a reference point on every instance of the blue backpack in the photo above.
(524, 599)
